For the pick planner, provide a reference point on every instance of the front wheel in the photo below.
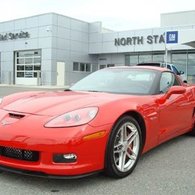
(124, 148)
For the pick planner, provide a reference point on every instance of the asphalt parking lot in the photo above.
(167, 169)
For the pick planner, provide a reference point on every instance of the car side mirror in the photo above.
(181, 72)
(172, 90)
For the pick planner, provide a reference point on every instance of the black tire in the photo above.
(192, 132)
(112, 169)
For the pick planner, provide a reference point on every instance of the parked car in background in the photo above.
(169, 66)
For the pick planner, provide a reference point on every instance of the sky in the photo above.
(117, 15)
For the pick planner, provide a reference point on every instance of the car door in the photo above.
(176, 113)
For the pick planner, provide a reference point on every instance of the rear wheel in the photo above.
(124, 147)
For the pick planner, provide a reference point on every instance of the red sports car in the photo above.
(103, 122)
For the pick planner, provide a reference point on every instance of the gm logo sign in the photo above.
(172, 37)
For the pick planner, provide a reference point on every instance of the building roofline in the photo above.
(178, 12)
(48, 13)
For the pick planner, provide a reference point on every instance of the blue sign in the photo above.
(172, 37)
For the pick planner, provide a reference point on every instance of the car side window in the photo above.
(168, 66)
(167, 80)
(175, 70)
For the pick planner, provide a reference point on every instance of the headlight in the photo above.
(74, 118)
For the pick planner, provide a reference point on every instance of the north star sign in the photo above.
(139, 40)
(12, 36)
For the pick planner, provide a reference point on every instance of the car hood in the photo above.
(56, 103)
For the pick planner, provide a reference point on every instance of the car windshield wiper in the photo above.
(94, 91)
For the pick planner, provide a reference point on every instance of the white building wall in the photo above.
(105, 42)
(70, 44)
(68, 40)
(40, 38)
(60, 38)
(184, 18)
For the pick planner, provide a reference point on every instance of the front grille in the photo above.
(19, 154)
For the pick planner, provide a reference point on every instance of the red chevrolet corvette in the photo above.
(103, 122)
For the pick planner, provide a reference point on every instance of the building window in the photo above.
(191, 67)
(184, 61)
(75, 66)
(81, 67)
(158, 57)
(20, 67)
(145, 58)
(20, 74)
(27, 63)
(101, 66)
(180, 61)
(131, 60)
(134, 59)
(88, 67)
(110, 65)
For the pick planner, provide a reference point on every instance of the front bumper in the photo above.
(29, 133)
(43, 175)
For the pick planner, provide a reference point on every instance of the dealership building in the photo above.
(52, 49)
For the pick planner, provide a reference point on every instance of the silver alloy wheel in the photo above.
(126, 147)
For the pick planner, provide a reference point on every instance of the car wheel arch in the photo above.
(139, 118)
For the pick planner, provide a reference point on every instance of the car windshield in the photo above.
(122, 81)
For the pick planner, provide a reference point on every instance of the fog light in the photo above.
(64, 158)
